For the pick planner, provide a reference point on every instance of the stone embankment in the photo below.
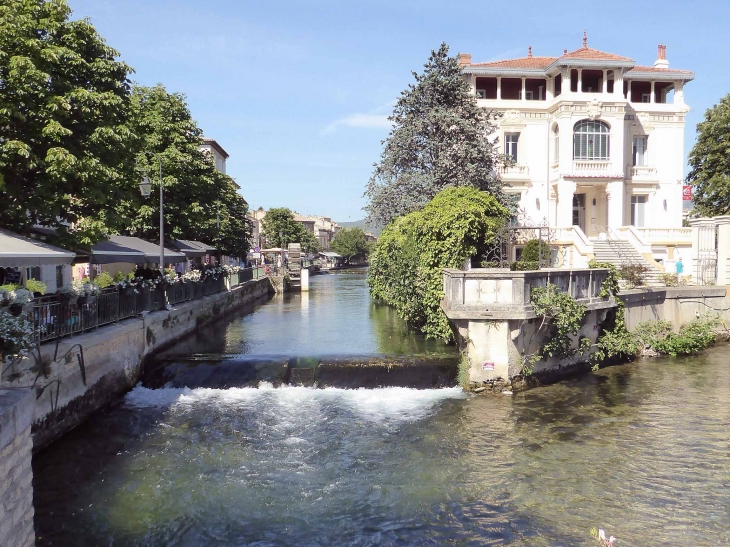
(81, 374)
(16, 476)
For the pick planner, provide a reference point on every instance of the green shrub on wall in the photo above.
(405, 267)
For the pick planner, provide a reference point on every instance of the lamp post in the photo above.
(145, 187)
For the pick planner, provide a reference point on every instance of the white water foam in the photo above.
(383, 404)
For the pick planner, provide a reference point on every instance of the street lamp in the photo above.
(145, 187)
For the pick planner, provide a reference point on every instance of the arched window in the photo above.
(591, 141)
(556, 144)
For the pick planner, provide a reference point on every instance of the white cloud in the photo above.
(358, 120)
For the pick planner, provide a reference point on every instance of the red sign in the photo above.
(686, 193)
(487, 366)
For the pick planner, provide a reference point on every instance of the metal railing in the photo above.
(54, 318)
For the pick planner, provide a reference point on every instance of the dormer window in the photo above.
(591, 140)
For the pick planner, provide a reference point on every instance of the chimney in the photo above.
(661, 60)
(464, 59)
(529, 51)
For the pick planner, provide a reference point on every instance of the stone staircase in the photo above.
(619, 252)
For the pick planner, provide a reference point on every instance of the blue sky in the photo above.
(296, 91)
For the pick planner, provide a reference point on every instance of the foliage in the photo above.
(11, 294)
(16, 334)
(351, 243)
(406, 264)
(66, 151)
(463, 374)
(672, 279)
(692, 337)
(562, 318)
(104, 280)
(709, 162)
(633, 274)
(610, 286)
(200, 203)
(535, 250)
(35, 286)
(440, 139)
(279, 229)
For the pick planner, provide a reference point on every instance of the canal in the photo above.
(640, 450)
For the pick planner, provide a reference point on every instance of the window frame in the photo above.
(509, 143)
(585, 135)
(644, 151)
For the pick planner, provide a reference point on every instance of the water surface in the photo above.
(642, 450)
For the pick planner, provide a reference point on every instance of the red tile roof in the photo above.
(522, 62)
(594, 55)
(638, 68)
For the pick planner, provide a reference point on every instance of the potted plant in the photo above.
(38, 288)
(71, 293)
(22, 301)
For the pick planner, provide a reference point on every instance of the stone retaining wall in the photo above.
(113, 357)
(16, 476)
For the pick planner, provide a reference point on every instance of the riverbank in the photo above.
(81, 374)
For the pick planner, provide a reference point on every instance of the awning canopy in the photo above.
(330, 254)
(273, 250)
(18, 251)
(131, 250)
(191, 249)
(207, 248)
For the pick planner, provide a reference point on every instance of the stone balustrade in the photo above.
(498, 293)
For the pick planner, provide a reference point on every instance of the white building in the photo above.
(219, 155)
(597, 143)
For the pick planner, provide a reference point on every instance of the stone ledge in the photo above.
(17, 410)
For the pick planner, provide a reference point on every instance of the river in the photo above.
(639, 449)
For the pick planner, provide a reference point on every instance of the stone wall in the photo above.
(113, 357)
(678, 305)
(16, 476)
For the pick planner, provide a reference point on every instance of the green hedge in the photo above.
(405, 266)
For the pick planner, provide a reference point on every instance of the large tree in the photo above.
(199, 201)
(66, 151)
(440, 139)
(710, 162)
(280, 229)
(351, 243)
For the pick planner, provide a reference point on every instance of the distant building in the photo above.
(219, 155)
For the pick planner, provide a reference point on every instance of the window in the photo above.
(33, 273)
(638, 204)
(510, 145)
(529, 95)
(59, 276)
(591, 141)
(556, 144)
(639, 152)
(481, 93)
(646, 97)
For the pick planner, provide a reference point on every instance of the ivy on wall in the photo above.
(405, 267)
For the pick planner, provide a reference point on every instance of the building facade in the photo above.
(596, 142)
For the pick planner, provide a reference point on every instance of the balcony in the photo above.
(515, 172)
(593, 170)
(642, 172)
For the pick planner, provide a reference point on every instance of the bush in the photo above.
(405, 266)
(35, 286)
(633, 274)
(534, 250)
(669, 279)
(104, 280)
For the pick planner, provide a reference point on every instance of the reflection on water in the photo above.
(641, 450)
(336, 317)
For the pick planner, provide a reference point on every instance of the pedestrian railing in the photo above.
(53, 317)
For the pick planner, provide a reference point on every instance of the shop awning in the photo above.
(330, 255)
(191, 249)
(131, 250)
(18, 251)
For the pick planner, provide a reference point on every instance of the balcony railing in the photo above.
(515, 171)
(643, 172)
(593, 169)
(55, 318)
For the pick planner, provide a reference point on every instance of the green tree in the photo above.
(201, 203)
(279, 229)
(710, 162)
(66, 151)
(440, 139)
(351, 243)
(405, 266)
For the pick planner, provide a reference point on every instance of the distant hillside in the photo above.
(375, 230)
